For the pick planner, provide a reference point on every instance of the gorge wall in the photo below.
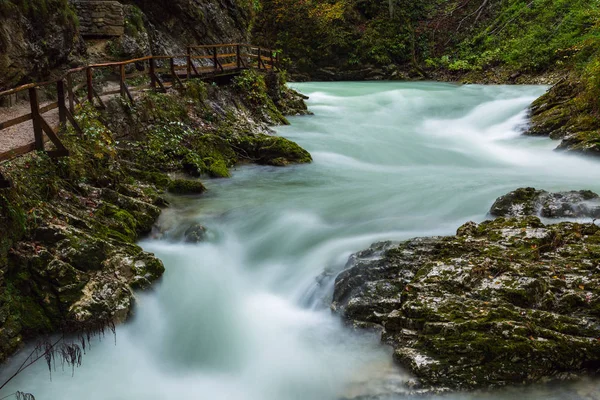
(100, 18)
(42, 38)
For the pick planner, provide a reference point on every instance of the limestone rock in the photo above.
(195, 234)
(529, 201)
(507, 301)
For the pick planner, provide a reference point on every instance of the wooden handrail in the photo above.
(67, 93)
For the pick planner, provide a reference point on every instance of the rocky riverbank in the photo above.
(569, 113)
(68, 258)
(507, 301)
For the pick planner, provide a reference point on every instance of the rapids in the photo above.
(245, 315)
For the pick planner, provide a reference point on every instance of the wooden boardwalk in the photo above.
(35, 113)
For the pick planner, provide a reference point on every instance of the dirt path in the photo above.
(21, 134)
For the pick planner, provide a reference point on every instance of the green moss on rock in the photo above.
(271, 150)
(505, 301)
(186, 186)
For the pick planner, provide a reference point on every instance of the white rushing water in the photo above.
(244, 316)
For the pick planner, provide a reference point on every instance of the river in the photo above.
(245, 315)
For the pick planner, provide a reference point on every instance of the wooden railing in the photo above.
(93, 82)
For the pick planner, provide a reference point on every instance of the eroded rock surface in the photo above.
(78, 268)
(530, 201)
(566, 112)
(502, 302)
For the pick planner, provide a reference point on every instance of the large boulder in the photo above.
(502, 302)
(530, 201)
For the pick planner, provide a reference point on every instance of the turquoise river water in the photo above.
(245, 315)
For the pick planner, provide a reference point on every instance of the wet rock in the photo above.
(195, 234)
(585, 142)
(529, 201)
(84, 252)
(506, 301)
(288, 101)
(144, 212)
(271, 150)
(185, 186)
(566, 113)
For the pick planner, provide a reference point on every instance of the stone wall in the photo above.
(100, 18)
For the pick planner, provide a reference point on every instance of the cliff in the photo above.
(41, 38)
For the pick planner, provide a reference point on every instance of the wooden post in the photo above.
(62, 104)
(71, 95)
(238, 56)
(122, 80)
(189, 62)
(259, 60)
(215, 61)
(90, 84)
(35, 113)
(152, 74)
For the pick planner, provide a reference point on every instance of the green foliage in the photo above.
(134, 21)
(521, 35)
(40, 10)
(170, 141)
(160, 108)
(252, 85)
(196, 89)
(530, 36)
(343, 33)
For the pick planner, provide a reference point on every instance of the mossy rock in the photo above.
(160, 179)
(530, 201)
(185, 186)
(143, 214)
(146, 269)
(506, 301)
(84, 252)
(271, 150)
(584, 142)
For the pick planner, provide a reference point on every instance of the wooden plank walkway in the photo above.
(27, 124)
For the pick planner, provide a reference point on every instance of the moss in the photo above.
(159, 179)
(196, 90)
(252, 86)
(185, 186)
(146, 269)
(211, 155)
(271, 150)
(134, 21)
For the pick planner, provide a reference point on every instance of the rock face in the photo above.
(33, 44)
(197, 21)
(529, 201)
(77, 269)
(37, 40)
(566, 113)
(506, 301)
(99, 18)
